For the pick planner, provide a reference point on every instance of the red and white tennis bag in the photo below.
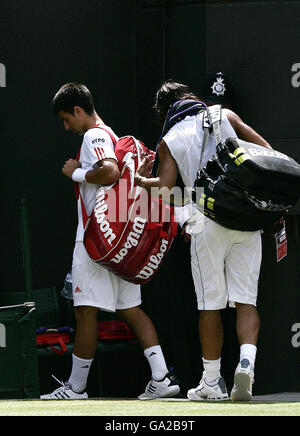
(129, 232)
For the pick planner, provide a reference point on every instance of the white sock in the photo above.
(79, 374)
(212, 369)
(248, 351)
(157, 362)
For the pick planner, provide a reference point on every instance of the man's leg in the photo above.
(145, 331)
(211, 334)
(212, 385)
(247, 329)
(211, 338)
(208, 251)
(85, 345)
(140, 322)
(162, 384)
(242, 271)
(86, 334)
(247, 324)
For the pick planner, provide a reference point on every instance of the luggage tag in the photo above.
(281, 243)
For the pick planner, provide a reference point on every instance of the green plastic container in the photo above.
(19, 376)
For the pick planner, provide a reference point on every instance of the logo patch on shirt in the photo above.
(99, 152)
(77, 289)
(94, 141)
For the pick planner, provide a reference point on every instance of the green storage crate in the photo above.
(19, 376)
(46, 300)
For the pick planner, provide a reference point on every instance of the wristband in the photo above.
(79, 175)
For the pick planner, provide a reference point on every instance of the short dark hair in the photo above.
(169, 92)
(70, 95)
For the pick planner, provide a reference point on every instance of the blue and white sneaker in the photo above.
(243, 381)
(206, 391)
(165, 388)
(65, 392)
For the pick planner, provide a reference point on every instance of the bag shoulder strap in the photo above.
(214, 114)
(211, 118)
(98, 126)
(85, 216)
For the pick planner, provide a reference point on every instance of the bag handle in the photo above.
(53, 339)
(62, 344)
(211, 117)
(214, 114)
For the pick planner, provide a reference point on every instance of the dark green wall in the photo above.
(122, 50)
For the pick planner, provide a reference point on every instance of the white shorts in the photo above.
(225, 266)
(95, 286)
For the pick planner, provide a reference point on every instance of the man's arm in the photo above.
(107, 173)
(244, 131)
(167, 171)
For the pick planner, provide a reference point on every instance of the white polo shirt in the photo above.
(184, 141)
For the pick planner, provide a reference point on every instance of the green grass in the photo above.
(116, 408)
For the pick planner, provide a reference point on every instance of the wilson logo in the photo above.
(132, 239)
(100, 209)
(155, 260)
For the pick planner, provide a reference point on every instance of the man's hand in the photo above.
(167, 171)
(70, 166)
(186, 236)
(144, 170)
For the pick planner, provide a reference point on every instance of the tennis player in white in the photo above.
(94, 287)
(225, 263)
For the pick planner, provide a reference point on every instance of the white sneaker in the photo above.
(243, 381)
(64, 393)
(168, 387)
(205, 391)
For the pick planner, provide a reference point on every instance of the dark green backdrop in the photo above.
(122, 50)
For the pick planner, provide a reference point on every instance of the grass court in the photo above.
(169, 408)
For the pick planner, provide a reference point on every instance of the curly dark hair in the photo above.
(169, 92)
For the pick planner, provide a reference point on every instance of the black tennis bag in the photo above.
(226, 203)
(262, 172)
(245, 186)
